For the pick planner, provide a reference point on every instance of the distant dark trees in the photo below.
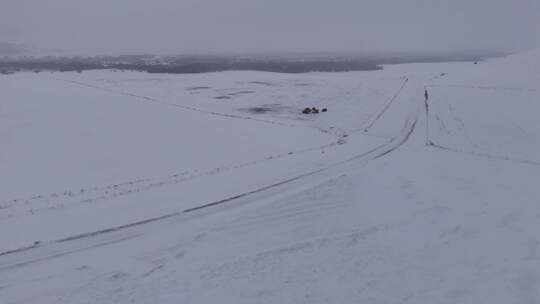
(187, 65)
(205, 63)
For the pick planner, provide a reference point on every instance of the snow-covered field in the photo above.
(126, 187)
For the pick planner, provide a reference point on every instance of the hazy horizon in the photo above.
(257, 26)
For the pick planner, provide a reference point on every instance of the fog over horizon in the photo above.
(242, 26)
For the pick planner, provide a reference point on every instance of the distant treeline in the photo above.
(203, 64)
(185, 65)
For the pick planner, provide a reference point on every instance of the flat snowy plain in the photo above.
(127, 187)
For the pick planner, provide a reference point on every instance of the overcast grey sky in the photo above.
(176, 26)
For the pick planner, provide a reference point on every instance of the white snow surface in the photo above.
(127, 187)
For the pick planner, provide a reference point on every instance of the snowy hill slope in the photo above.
(388, 198)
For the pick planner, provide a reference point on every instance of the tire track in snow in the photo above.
(88, 195)
(486, 155)
(60, 253)
(482, 87)
(364, 130)
(442, 126)
(385, 108)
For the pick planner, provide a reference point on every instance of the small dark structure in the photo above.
(313, 110)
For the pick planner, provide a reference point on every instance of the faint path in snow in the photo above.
(189, 108)
(431, 143)
(486, 155)
(385, 108)
(87, 195)
(482, 87)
